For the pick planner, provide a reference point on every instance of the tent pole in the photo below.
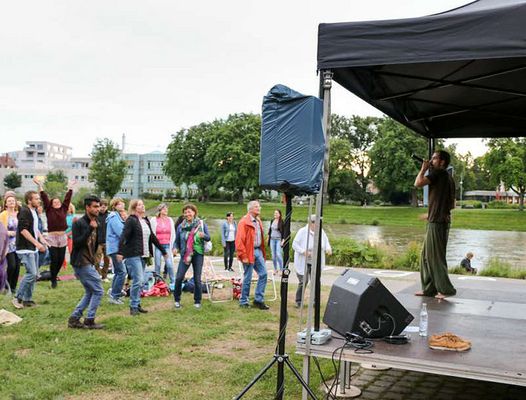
(431, 144)
(314, 298)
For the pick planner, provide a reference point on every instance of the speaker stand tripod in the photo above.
(280, 357)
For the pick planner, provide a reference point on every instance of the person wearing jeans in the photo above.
(190, 240)
(135, 246)
(29, 241)
(114, 227)
(275, 241)
(84, 235)
(136, 266)
(261, 270)
(250, 246)
(27, 285)
(164, 228)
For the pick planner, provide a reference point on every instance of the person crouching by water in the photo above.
(84, 236)
(135, 246)
(190, 240)
(466, 264)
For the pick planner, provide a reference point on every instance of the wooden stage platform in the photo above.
(491, 313)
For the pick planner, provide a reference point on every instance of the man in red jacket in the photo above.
(250, 247)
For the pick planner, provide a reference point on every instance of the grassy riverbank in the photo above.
(480, 219)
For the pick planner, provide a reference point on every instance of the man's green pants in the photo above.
(433, 265)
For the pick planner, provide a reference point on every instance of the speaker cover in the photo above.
(361, 304)
(292, 142)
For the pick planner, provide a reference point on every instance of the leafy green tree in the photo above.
(233, 155)
(481, 175)
(392, 168)
(108, 168)
(185, 157)
(506, 161)
(361, 133)
(56, 183)
(343, 182)
(12, 181)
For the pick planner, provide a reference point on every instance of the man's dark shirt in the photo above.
(441, 196)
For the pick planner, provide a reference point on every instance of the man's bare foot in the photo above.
(440, 296)
(419, 293)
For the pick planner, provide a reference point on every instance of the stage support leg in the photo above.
(343, 389)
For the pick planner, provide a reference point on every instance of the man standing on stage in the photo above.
(85, 243)
(433, 264)
(250, 246)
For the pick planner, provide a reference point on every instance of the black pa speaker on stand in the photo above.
(361, 304)
(291, 161)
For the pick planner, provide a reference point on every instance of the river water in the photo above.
(504, 245)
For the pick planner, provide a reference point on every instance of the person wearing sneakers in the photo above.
(250, 245)
(190, 240)
(433, 265)
(114, 226)
(135, 246)
(84, 235)
(29, 242)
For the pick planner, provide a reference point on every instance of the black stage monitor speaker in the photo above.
(361, 304)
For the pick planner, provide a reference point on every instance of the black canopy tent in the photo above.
(456, 74)
(460, 73)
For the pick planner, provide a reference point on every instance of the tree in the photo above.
(342, 178)
(108, 168)
(185, 157)
(392, 168)
(12, 181)
(506, 161)
(360, 132)
(233, 155)
(56, 183)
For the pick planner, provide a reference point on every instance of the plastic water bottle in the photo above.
(423, 320)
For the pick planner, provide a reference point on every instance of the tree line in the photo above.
(370, 158)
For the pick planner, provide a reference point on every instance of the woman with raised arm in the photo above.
(56, 213)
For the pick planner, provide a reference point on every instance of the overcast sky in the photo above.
(72, 71)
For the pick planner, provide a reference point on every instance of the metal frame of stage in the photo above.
(491, 313)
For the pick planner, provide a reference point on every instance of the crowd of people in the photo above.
(124, 240)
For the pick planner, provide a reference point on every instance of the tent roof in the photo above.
(460, 73)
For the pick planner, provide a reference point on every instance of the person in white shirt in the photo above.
(303, 245)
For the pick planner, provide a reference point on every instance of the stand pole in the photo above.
(284, 288)
(314, 300)
(280, 356)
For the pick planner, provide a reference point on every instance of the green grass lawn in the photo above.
(165, 354)
(507, 220)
